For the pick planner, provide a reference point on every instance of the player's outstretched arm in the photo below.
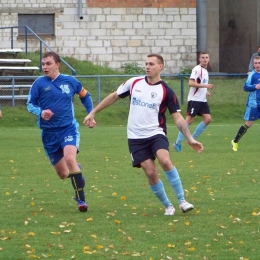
(106, 102)
(182, 126)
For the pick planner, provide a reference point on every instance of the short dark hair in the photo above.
(203, 52)
(53, 54)
(158, 56)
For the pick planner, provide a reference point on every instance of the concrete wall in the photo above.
(113, 33)
(238, 38)
(212, 37)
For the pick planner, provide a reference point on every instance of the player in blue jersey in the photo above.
(146, 128)
(252, 112)
(50, 99)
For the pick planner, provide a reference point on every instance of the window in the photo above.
(41, 24)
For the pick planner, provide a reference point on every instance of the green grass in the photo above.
(81, 67)
(39, 218)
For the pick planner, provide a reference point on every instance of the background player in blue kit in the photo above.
(251, 63)
(50, 99)
(197, 99)
(252, 112)
(146, 128)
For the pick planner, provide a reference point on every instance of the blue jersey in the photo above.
(56, 95)
(253, 99)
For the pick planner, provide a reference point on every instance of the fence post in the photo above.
(13, 104)
(182, 89)
(98, 82)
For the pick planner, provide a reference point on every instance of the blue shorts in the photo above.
(197, 108)
(252, 113)
(144, 149)
(54, 142)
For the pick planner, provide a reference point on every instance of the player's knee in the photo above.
(166, 164)
(207, 121)
(63, 175)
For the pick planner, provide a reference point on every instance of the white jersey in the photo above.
(200, 75)
(148, 105)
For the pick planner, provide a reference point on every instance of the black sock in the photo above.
(242, 130)
(78, 183)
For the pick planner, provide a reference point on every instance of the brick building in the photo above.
(112, 32)
(106, 32)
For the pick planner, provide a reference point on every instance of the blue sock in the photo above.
(200, 128)
(174, 180)
(180, 136)
(158, 190)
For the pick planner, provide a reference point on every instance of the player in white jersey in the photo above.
(197, 99)
(146, 128)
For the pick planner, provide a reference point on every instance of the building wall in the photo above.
(239, 37)
(111, 32)
(212, 33)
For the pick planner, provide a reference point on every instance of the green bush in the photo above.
(132, 69)
(185, 70)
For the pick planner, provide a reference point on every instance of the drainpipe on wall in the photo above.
(80, 9)
(201, 16)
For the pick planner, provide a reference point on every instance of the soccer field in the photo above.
(40, 220)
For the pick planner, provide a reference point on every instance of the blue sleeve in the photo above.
(32, 103)
(249, 86)
(87, 102)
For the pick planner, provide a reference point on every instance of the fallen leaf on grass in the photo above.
(126, 253)
(222, 227)
(55, 233)
(86, 249)
(5, 238)
(136, 254)
(236, 220)
(111, 213)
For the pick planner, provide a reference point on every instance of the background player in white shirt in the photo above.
(146, 128)
(197, 99)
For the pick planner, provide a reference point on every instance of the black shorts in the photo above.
(144, 149)
(197, 108)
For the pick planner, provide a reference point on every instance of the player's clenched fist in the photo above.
(89, 121)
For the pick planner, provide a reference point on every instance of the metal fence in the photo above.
(228, 88)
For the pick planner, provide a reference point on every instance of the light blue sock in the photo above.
(200, 128)
(158, 190)
(180, 136)
(174, 179)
